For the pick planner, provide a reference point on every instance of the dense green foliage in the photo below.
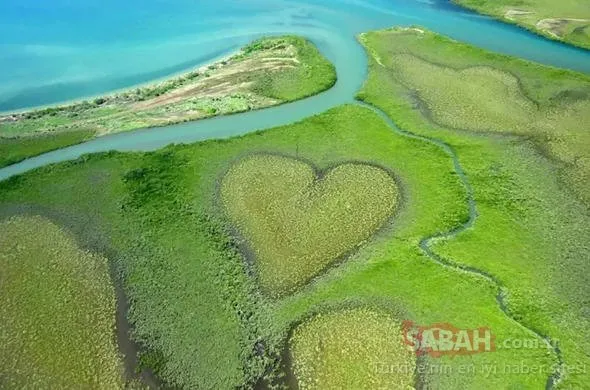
(565, 20)
(204, 322)
(197, 310)
(461, 87)
(297, 223)
(344, 350)
(313, 73)
(58, 311)
(192, 308)
(13, 150)
(530, 189)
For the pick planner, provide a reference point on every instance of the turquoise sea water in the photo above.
(62, 50)
(53, 51)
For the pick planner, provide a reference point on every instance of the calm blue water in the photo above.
(61, 50)
(58, 50)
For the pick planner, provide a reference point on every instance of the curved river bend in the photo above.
(67, 50)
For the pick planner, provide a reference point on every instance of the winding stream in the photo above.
(212, 28)
(427, 242)
(119, 58)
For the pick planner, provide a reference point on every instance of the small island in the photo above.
(267, 72)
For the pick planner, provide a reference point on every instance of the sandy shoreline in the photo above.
(152, 83)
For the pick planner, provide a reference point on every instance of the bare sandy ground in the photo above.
(512, 14)
(221, 82)
(556, 26)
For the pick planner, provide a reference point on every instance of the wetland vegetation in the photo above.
(16, 149)
(181, 263)
(566, 20)
(297, 221)
(530, 180)
(342, 350)
(322, 236)
(58, 310)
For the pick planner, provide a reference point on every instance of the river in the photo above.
(63, 50)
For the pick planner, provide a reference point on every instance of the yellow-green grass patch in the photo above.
(297, 221)
(344, 350)
(462, 87)
(531, 228)
(57, 308)
(478, 98)
(198, 313)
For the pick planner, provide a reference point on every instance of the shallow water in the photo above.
(69, 50)
(63, 49)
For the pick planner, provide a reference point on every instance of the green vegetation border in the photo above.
(248, 253)
(98, 244)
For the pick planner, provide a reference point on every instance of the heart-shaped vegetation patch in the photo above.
(296, 221)
(351, 349)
